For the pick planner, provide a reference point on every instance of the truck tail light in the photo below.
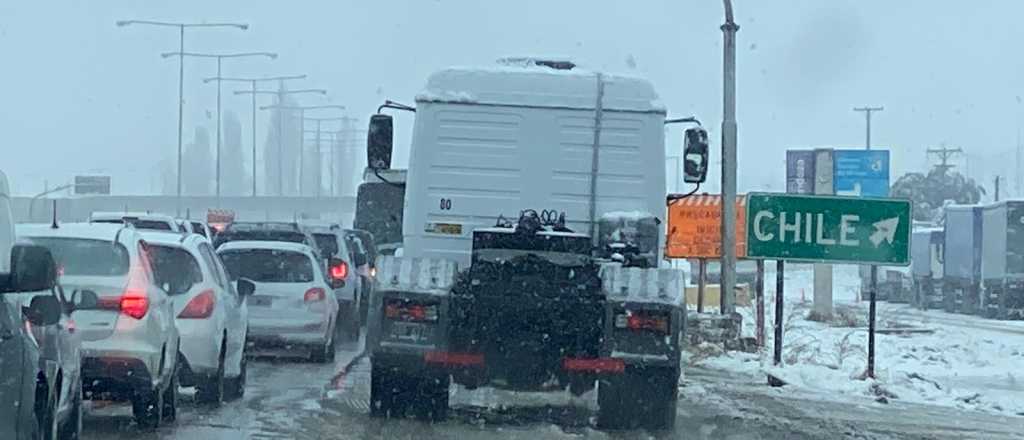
(643, 320)
(200, 307)
(399, 310)
(314, 294)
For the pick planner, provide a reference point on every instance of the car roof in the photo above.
(273, 245)
(101, 215)
(170, 238)
(95, 231)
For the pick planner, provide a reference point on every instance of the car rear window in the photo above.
(86, 257)
(199, 229)
(327, 243)
(268, 265)
(174, 269)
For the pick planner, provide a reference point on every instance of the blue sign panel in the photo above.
(800, 171)
(861, 172)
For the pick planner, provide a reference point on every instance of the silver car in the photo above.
(40, 387)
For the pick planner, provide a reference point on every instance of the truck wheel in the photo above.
(643, 398)
(431, 397)
(948, 301)
(387, 391)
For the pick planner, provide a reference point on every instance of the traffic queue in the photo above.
(970, 263)
(128, 307)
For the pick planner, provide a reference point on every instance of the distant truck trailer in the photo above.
(1002, 260)
(926, 260)
(961, 287)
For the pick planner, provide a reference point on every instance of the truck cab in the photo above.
(531, 243)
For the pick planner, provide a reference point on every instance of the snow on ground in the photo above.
(963, 362)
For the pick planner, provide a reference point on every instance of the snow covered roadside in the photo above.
(953, 365)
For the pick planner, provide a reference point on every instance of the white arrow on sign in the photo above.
(884, 230)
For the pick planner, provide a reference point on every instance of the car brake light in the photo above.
(399, 310)
(134, 303)
(642, 321)
(200, 307)
(315, 294)
(339, 271)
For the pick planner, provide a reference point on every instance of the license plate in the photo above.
(444, 228)
(261, 301)
(414, 333)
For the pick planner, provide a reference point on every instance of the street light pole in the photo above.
(729, 158)
(252, 82)
(302, 117)
(219, 58)
(867, 115)
(181, 74)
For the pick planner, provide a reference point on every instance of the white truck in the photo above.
(490, 292)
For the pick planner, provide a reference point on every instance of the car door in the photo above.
(15, 374)
(235, 307)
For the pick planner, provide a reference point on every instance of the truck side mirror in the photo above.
(43, 310)
(379, 142)
(695, 155)
(32, 269)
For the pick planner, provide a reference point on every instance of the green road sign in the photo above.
(828, 229)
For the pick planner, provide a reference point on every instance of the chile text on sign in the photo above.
(695, 224)
(828, 229)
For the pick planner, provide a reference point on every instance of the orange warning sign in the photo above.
(695, 224)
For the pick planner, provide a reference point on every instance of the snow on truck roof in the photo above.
(520, 82)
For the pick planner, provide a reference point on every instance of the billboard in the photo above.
(800, 171)
(861, 172)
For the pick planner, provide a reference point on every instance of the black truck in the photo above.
(537, 310)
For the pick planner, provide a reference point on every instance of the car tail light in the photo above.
(398, 310)
(134, 303)
(200, 307)
(339, 271)
(640, 320)
(315, 294)
(373, 272)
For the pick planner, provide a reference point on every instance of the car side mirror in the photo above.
(695, 155)
(84, 300)
(245, 287)
(43, 310)
(379, 142)
(32, 268)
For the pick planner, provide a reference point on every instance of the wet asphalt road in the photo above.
(293, 399)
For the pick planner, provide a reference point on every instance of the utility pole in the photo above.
(997, 188)
(944, 154)
(867, 117)
(728, 282)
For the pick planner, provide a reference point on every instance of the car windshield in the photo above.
(268, 265)
(86, 257)
(174, 269)
(516, 219)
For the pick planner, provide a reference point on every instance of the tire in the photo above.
(431, 397)
(210, 390)
(235, 387)
(169, 406)
(146, 408)
(49, 425)
(389, 392)
(638, 399)
(325, 353)
(72, 428)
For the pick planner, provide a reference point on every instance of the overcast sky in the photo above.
(81, 95)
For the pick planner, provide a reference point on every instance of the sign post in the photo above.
(829, 229)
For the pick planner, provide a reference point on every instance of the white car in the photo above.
(129, 341)
(332, 244)
(210, 312)
(141, 220)
(294, 304)
(195, 227)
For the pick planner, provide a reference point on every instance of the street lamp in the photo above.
(302, 126)
(252, 82)
(280, 124)
(181, 71)
(319, 169)
(728, 281)
(220, 58)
